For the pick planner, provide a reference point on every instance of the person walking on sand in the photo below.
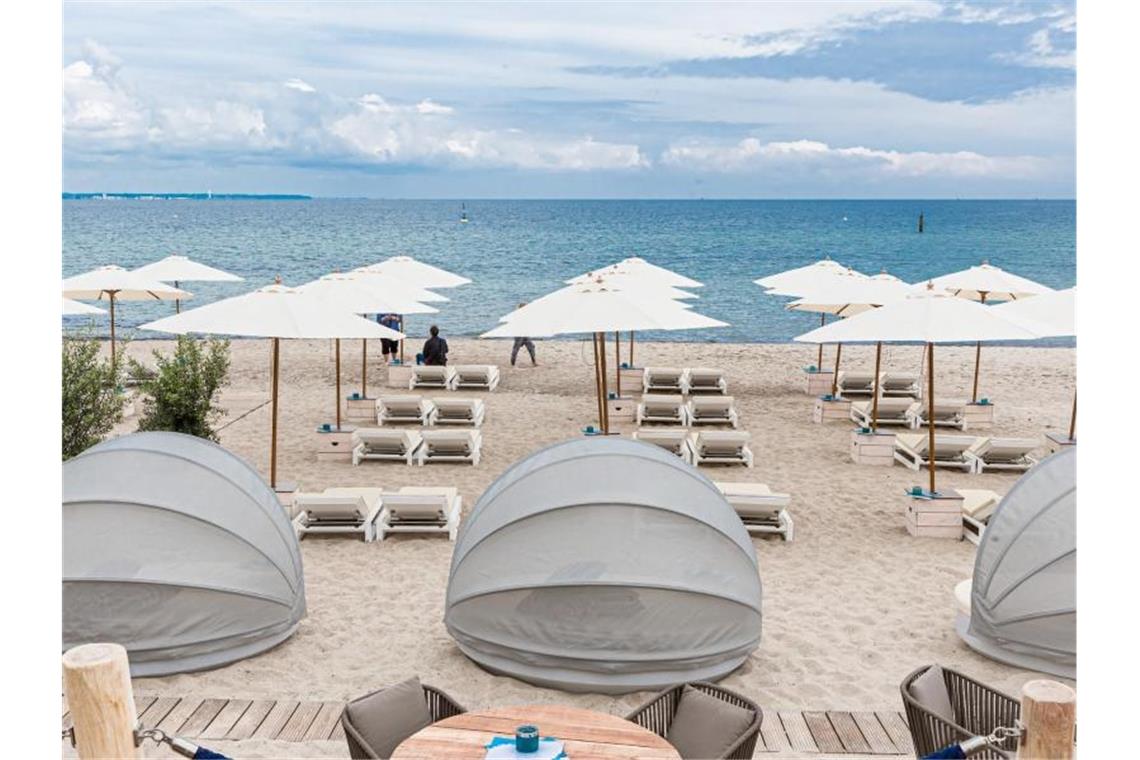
(389, 347)
(519, 343)
(435, 349)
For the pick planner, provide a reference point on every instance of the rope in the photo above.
(976, 744)
(181, 746)
(242, 417)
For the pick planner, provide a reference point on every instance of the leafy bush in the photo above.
(179, 393)
(91, 400)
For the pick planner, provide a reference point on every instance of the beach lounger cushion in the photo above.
(705, 380)
(929, 690)
(712, 410)
(375, 724)
(450, 446)
(664, 379)
(459, 411)
(476, 376)
(705, 726)
(431, 376)
(662, 407)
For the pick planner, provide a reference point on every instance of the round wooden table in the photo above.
(585, 734)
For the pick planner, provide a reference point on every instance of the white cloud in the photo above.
(1040, 50)
(95, 102)
(219, 122)
(300, 85)
(750, 154)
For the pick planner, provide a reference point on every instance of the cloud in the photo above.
(95, 103)
(750, 154)
(300, 85)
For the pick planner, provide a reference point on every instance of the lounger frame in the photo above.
(489, 383)
(916, 460)
(424, 454)
(361, 452)
(386, 525)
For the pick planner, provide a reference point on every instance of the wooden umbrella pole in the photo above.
(875, 390)
(273, 417)
(930, 411)
(617, 362)
(1073, 419)
(835, 371)
(364, 368)
(97, 686)
(598, 381)
(401, 339)
(605, 395)
(338, 383)
(819, 359)
(977, 361)
(631, 348)
(113, 359)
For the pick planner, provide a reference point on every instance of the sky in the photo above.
(852, 99)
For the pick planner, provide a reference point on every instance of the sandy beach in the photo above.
(850, 607)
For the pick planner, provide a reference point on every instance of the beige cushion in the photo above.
(386, 718)
(929, 690)
(705, 726)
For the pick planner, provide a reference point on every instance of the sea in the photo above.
(517, 250)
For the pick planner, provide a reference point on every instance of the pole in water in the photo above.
(921, 221)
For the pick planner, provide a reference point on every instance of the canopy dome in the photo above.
(604, 565)
(178, 550)
(1023, 606)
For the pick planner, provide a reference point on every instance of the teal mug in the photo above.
(526, 739)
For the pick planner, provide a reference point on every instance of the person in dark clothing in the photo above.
(520, 342)
(390, 348)
(435, 348)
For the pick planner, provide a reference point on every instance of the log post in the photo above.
(1049, 715)
(97, 685)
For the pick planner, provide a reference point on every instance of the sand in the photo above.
(850, 607)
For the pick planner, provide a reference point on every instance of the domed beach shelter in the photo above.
(178, 550)
(1023, 606)
(604, 565)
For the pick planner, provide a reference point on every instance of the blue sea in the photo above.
(516, 250)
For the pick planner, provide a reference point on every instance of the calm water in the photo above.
(517, 250)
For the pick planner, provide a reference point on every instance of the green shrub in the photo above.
(179, 394)
(91, 400)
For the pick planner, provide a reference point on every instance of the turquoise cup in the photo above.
(526, 739)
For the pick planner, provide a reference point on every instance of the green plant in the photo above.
(91, 401)
(179, 394)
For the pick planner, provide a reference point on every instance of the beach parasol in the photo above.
(273, 312)
(1056, 312)
(928, 317)
(987, 283)
(415, 273)
(360, 294)
(74, 308)
(176, 268)
(598, 307)
(114, 284)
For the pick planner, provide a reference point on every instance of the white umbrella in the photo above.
(178, 268)
(1057, 313)
(415, 273)
(598, 307)
(354, 292)
(273, 312)
(114, 283)
(930, 317)
(71, 308)
(987, 283)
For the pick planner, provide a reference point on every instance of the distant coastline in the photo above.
(183, 197)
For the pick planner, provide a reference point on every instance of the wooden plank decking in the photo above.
(783, 732)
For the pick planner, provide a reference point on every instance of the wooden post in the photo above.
(401, 340)
(978, 359)
(598, 381)
(111, 293)
(273, 417)
(875, 388)
(177, 301)
(97, 685)
(819, 359)
(1049, 714)
(605, 394)
(338, 383)
(631, 348)
(617, 362)
(1073, 420)
(835, 371)
(930, 410)
(364, 368)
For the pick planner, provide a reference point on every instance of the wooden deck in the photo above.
(787, 732)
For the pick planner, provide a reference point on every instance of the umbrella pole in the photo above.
(930, 411)
(605, 395)
(835, 373)
(177, 301)
(631, 348)
(597, 380)
(977, 360)
(617, 362)
(338, 383)
(875, 391)
(819, 359)
(1073, 419)
(273, 423)
(113, 375)
(401, 339)
(364, 368)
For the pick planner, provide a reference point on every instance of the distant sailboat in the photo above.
(463, 215)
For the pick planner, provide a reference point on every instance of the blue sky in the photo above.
(844, 99)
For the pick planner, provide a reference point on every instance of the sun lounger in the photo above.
(978, 504)
(912, 450)
(1009, 454)
(705, 380)
(385, 444)
(431, 376)
(712, 410)
(901, 385)
(720, 447)
(475, 377)
(664, 408)
(892, 411)
(450, 446)
(459, 411)
(855, 384)
(761, 510)
(338, 510)
(949, 413)
(421, 509)
(673, 440)
(415, 410)
(664, 380)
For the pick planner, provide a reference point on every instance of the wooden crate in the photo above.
(831, 410)
(334, 445)
(818, 383)
(399, 375)
(938, 517)
(360, 409)
(632, 381)
(978, 415)
(622, 408)
(873, 449)
(1058, 442)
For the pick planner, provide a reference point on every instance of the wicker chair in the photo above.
(978, 710)
(656, 715)
(439, 704)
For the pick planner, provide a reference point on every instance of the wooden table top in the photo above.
(585, 734)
